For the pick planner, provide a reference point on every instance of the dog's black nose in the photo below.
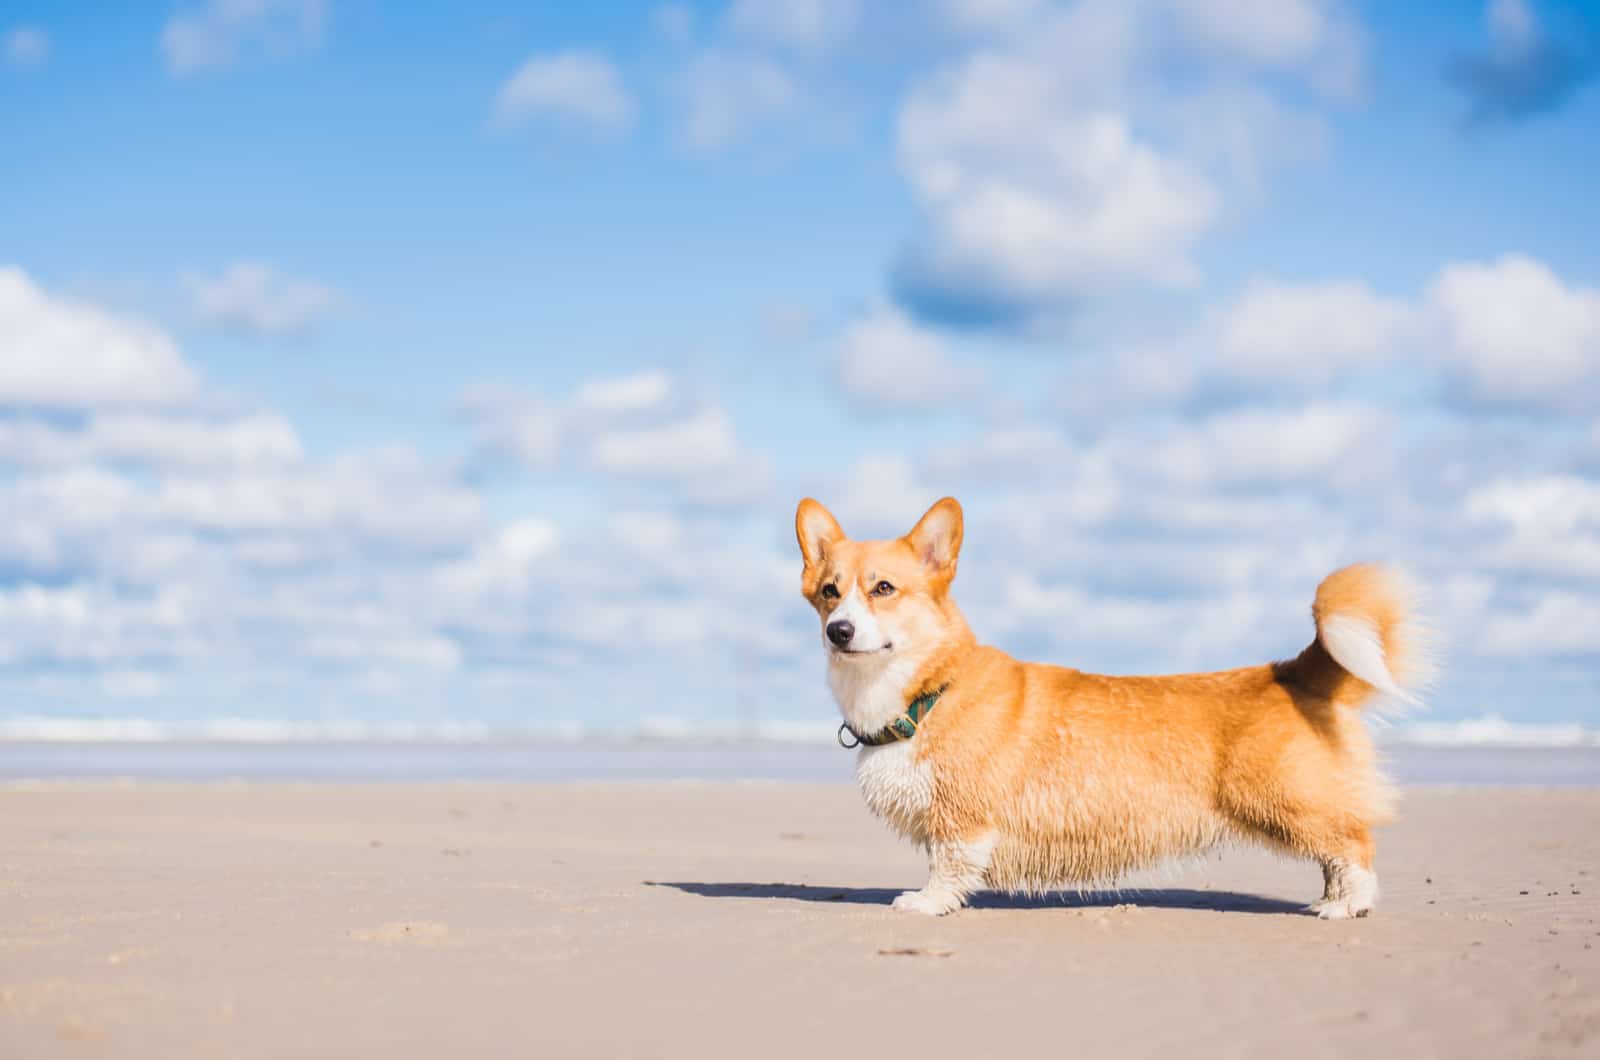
(841, 631)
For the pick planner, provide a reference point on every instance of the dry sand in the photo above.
(739, 920)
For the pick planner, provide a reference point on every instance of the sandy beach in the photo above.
(742, 919)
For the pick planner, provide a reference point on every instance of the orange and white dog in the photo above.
(1022, 776)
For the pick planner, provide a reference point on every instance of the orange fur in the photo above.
(1038, 776)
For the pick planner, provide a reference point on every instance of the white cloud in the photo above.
(90, 624)
(389, 496)
(258, 299)
(146, 438)
(700, 450)
(1559, 623)
(1549, 525)
(654, 535)
(1309, 333)
(771, 73)
(247, 559)
(531, 429)
(80, 496)
(504, 563)
(510, 422)
(887, 362)
(1054, 165)
(1267, 31)
(1033, 200)
(732, 93)
(986, 14)
(201, 556)
(1517, 333)
(795, 23)
(880, 495)
(583, 86)
(376, 586)
(188, 521)
(1320, 37)
(25, 46)
(1508, 332)
(1112, 625)
(1104, 388)
(434, 651)
(1265, 445)
(1544, 503)
(57, 351)
(1027, 451)
(684, 447)
(122, 684)
(641, 427)
(222, 33)
(640, 392)
(1241, 134)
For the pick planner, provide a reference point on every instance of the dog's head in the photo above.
(880, 599)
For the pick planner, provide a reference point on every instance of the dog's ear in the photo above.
(936, 538)
(817, 531)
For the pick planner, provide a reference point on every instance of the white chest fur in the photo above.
(871, 691)
(897, 787)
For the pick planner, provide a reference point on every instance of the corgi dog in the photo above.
(1025, 777)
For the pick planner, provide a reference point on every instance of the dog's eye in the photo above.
(882, 589)
(830, 592)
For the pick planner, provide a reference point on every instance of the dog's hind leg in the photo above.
(1340, 842)
(955, 871)
(1350, 887)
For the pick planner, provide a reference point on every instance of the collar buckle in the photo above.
(902, 728)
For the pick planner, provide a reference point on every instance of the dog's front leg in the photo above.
(955, 870)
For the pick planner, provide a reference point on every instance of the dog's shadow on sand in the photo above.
(1146, 898)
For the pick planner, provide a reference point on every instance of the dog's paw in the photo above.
(1338, 909)
(1352, 892)
(928, 903)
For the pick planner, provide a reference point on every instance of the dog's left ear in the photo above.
(936, 538)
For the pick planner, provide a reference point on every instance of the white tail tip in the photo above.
(1355, 645)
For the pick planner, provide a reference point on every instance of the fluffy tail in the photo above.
(1367, 622)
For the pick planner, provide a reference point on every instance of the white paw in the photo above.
(1338, 909)
(1352, 892)
(934, 903)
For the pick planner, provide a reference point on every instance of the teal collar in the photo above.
(902, 728)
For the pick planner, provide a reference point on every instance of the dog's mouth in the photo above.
(883, 649)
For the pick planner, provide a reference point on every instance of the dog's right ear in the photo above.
(817, 531)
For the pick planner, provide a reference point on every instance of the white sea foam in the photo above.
(40, 729)
(1490, 731)
(265, 731)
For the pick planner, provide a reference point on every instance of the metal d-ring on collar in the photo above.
(902, 728)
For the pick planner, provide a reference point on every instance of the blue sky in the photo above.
(364, 362)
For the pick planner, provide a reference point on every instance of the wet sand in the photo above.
(745, 919)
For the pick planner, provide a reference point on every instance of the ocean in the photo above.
(1486, 751)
